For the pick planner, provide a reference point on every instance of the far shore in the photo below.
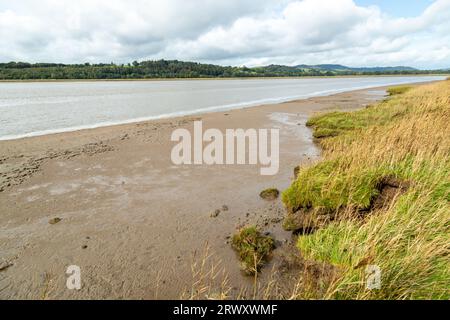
(216, 78)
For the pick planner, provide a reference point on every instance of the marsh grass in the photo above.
(398, 90)
(406, 137)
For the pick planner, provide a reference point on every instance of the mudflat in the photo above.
(111, 201)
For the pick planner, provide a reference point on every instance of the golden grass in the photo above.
(209, 279)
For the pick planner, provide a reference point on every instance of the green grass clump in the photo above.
(335, 123)
(406, 137)
(318, 187)
(337, 120)
(338, 123)
(270, 194)
(253, 248)
(398, 90)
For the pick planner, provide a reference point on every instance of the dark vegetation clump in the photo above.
(253, 249)
(54, 220)
(270, 194)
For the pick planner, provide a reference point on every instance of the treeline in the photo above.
(165, 69)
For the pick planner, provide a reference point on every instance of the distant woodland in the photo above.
(180, 69)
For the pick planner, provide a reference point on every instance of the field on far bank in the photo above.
(379, 200)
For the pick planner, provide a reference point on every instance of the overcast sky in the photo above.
(228, 32)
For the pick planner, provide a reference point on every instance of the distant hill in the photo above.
(338, 67)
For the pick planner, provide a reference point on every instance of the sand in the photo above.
(110, 201)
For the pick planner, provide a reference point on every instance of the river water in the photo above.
(37, 108)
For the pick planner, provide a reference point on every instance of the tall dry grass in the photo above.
(406, 137)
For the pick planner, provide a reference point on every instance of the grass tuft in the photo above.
(398, 90)
(253, 249)
(270, 194)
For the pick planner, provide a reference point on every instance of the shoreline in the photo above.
(113, 190)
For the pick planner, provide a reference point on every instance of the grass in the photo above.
(398, 90)
(253, 249)
(406, 137)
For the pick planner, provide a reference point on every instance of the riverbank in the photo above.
(129, 217)
(378, 201)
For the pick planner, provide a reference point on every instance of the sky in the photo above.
(228, 32)
(398, 8)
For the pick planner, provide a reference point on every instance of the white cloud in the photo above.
(223, 31)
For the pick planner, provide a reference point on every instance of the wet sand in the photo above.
(134, 222)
